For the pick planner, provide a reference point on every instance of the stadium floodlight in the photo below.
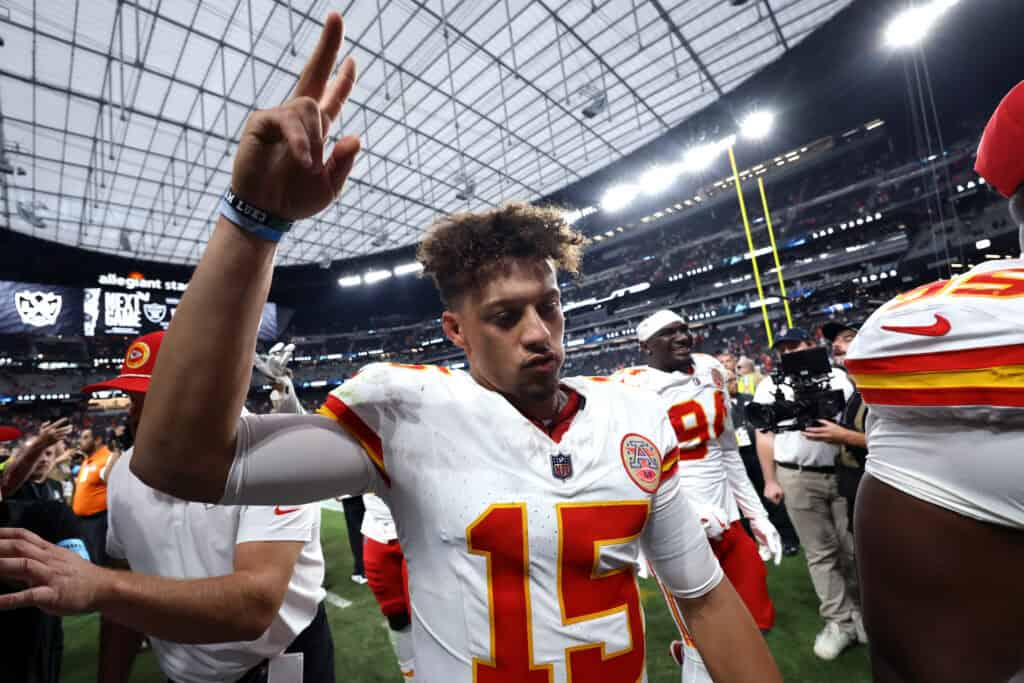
(619, 197)
(909, 27)
(350, 281)
(757, 125)
(372, 276)
(700, 157)
(659, 178)
(408, 268)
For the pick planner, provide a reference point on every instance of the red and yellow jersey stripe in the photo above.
(992, 376)
(337, 410)
(670, 464)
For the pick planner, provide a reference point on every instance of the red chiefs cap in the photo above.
(1001, 152)
(8, 433)
(137, 367)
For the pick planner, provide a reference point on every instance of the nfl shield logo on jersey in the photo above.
(561, 466)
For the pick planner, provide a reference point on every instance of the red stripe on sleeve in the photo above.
(336, 408)
(968, 359)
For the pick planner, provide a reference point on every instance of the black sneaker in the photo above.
(790, 550)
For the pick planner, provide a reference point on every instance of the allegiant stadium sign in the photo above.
(114, 280)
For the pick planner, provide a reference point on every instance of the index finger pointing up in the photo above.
(318, 69)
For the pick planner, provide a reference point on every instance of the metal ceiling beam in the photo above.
(137, 177)
(275, 67)
(395, 66)
(181, 124)
(524, 81)
(140, 62)
(604, 65)
(444, 102)
(775, 23)
(667, 18)
(142, 231)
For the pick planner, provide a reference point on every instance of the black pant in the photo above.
(317, 648)
(354, 511)
(94, 527)
(847, 481)
(777, 514)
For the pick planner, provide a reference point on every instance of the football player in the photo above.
(692, 387)
(940, 512)
(388, 577)
(520, 498)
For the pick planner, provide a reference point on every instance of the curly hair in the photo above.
(463, 250)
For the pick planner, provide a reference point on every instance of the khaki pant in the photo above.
(820, 516)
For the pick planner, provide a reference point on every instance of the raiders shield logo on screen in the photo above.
(38, 309)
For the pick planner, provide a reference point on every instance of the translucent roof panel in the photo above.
(120, 118)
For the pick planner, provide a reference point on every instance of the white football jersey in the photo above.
(378, 523)
(942, 370)
(521, 547)
(698, 410)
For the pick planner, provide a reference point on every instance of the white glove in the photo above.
(713, 519)
(768, 537)
(284, 399)
(274, 363)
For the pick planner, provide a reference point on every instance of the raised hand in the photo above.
(279, 166)
(52, 432)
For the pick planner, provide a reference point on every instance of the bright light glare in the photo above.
(407, 268)
(701, 156)
(659, 178)
(376, 276)
(909, 27)
(983, 244)
(350, 281)
(619, 197)
(757, 125)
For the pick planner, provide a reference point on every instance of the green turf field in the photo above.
(363, 653)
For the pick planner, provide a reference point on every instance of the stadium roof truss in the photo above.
(119, 118)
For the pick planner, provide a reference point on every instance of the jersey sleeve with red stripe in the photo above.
(368, 405)
(948, 345)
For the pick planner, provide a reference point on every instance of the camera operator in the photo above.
(803, 472)
(745, 440)
(848, 434)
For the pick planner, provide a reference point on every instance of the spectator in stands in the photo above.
(90, 499)
(226, 593)
(803, 472)
(33, 641)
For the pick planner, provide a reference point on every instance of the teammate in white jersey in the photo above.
(388, 576)
(520, 499)
(692, 386)
(940, 512)
(692, 389)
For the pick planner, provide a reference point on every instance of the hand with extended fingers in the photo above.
(52, 432)
(280, 165)
(52, 578)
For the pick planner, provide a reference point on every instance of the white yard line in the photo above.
(337, 600)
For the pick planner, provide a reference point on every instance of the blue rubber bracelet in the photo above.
(257, 228)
